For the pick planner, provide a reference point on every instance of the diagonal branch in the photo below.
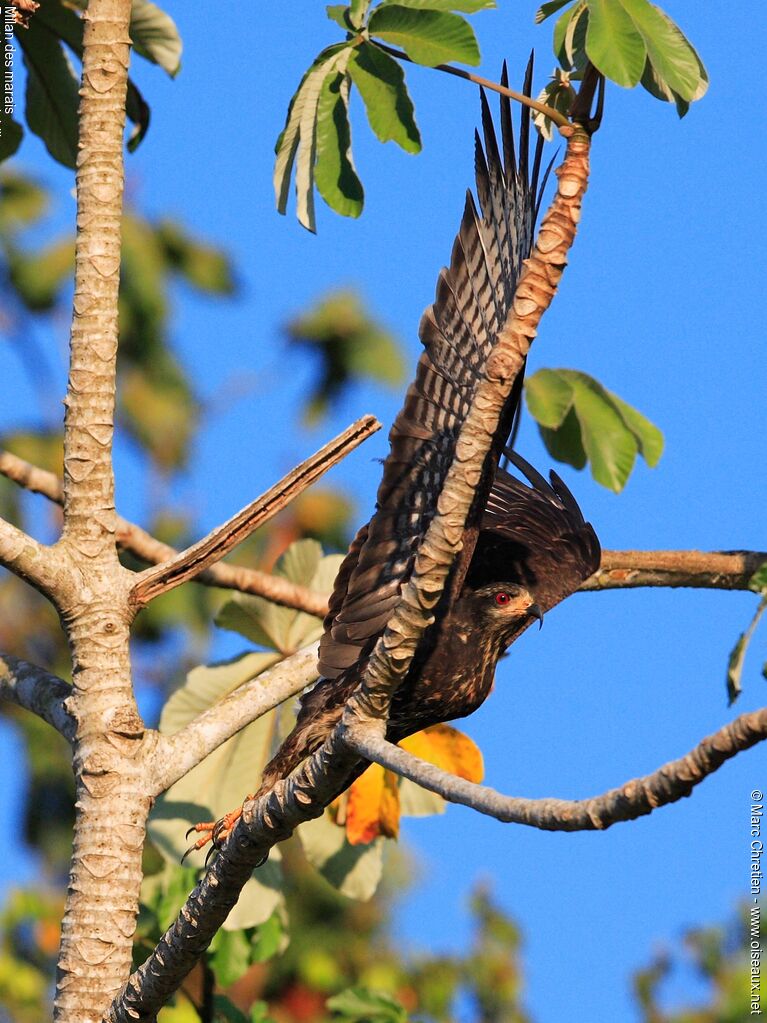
(37, 690)
(146, 547)
(635, 798)
(216, 545)
(176, 755)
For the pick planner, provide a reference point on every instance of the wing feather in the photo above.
(458, 331)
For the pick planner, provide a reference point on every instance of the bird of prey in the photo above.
(525, 548)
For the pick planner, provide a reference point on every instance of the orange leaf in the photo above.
(449, 749)
(373, 806)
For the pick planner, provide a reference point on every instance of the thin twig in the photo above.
(555, 115)
(635, 798)
(37, 690)
(216, 545)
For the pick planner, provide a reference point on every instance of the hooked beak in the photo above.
(535, 612)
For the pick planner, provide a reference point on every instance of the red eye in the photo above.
(502, 598)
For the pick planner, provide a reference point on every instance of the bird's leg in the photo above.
(216, 832)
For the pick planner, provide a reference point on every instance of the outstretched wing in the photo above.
(534, 535)
(459, 331)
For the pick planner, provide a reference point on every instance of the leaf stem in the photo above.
(558, 118)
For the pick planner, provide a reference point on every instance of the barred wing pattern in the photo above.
(535, 536)
(459, 331)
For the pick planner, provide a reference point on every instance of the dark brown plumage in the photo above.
(525, 547)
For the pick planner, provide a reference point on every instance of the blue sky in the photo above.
(660, 302)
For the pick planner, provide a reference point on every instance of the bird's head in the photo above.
(503, 608)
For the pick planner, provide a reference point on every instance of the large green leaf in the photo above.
(281, 628)
(296, 144)
(355, 870)
(334, 172)
(570, 35)
(549, 397)
(613, 43)
(673, 57)
(582, 421)
(381, 83)
(155, 36)
(52, 93)
(428, 37)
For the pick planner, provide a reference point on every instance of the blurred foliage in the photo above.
(719, 955)
(757, 583)
(53, 34)
(349, 346)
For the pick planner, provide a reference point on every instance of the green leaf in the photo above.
(11, 134)
(269, 939)
(427, 37)
(350, 345)
(357, 12)
(155, 36)
(137, 109)
(22, 202)
(282, 628)
(558, 94)
(565, 444)
(581, 420)
(466, 6)
(381, 83)
(355, 870)
(52, 93)
(647, 435)
(549, 397)
(673, 57)
(546, 10)
(40, 277)
(365, 1006)
(229, 956)
(738, 653)
(221, 781)
(296, 143)
(339, 14)
(610, 447)
(570, 35)
(613, 44)
(205, 267)
(334, 172)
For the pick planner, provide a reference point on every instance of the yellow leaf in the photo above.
(448, 749)
(372, 804)
(373, 807)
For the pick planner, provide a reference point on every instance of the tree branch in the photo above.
(176, 755)
(719, 570)
(635, 798)
(25, 557)
(37, 690)
(216, 545)
(142, 545)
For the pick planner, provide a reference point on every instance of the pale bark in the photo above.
(633, 799)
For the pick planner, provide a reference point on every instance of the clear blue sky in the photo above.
(662, 303)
